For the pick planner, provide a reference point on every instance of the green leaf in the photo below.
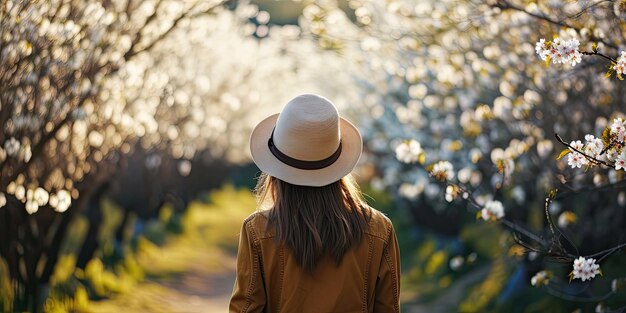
(609, 72)
(606, 136)
(563, 153)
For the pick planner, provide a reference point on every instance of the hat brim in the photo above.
(352, 145)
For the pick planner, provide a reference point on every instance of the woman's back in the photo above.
(319, 247)
(366, 279)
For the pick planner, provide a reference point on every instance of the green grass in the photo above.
(206, 245)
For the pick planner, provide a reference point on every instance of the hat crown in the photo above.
(307, 129)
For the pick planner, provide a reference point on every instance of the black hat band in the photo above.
(301, 164)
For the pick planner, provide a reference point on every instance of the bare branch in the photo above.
(505, 5)
(566, 296)
(604, 253)
(139, 34)
(599, 54)
(186, 14)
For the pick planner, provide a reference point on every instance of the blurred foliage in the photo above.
(6, 292)
(205, 232)
(461, 80)
(488, 279)
(209, 238)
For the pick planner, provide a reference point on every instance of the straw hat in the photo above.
(307, 144)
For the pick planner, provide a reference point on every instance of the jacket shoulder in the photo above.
(379, 225)
(257, 224)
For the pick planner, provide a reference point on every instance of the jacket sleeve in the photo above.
(387, 297)
(249, 290)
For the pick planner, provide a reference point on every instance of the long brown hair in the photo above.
(315, 221)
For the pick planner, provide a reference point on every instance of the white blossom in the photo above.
(20, 192)
(411, 191)
(452, 192)
(559, 51)
(620, 162)
(28, 153)
(41, 196)
(540, 278)
(493, 210)
(620, 66)
(12, 146)
(502, 161)
(442, 170)
(540, 49)
(594, 146)
(35, 198)
(31, 207)
(618, 128)
(585, 269)
(61, 201)
(575, 159)
(409, 151)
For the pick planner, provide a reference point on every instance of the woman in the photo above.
(317, 246)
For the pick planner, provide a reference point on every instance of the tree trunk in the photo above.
(91, 243)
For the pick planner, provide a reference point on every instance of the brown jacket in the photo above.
(269, 279)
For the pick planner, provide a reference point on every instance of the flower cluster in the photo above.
(559, 51)
(542, 278)
(452, 192)
(608, 148)
(410, 151)
(618, 129)
(502, 160)
(442, 171)
(594, 146)
(36, 197)
(493, 210)
(575, 159)
(585, 269)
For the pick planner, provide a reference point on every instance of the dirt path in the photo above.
(193, 271)
(204, 286)
(201, 289)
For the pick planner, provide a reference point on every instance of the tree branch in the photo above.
(505, 5)
(590, 158)
(139, 33)
(600, 55)
(607, 252)
(563, 295)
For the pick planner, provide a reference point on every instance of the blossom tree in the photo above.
(86, 86)
(463, 111)
(196, 100)
(55, 58)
